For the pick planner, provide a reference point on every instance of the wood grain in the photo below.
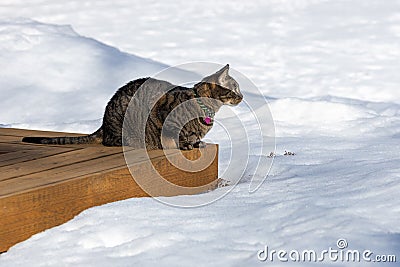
(44, 186)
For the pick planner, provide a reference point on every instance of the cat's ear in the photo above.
(223, 74)
(223, 71)
(219, 77)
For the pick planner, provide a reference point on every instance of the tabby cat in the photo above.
(208, 95)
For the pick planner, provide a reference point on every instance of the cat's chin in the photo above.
(232, 104)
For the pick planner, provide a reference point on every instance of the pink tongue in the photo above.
(207, 120)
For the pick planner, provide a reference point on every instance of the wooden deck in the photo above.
(42, 186)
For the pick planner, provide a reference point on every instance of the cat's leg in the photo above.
(186, 142)
(185, 146)
(189, 137)
(133, 142)
(168, 142)
(200, 144)
(111, 140)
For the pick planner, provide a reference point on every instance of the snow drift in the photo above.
(53, 78)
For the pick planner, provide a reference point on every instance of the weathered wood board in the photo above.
(42, 186)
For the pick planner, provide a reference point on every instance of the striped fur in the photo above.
(214, 90)
(94, 138)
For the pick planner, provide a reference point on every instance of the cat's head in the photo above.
(220, 86)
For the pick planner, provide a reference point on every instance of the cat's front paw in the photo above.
(185, 146)
(200, 144)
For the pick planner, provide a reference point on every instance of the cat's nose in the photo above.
(239, 98)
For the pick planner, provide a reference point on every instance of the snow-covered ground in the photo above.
(329, 70)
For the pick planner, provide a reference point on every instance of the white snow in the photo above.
(329, 70)
(52, 71)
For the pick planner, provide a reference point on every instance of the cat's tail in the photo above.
(94, 138)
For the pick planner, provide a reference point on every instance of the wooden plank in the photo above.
(56, 162)
(107, 162)
(43, 186)
(50, 206)
(17, 146)
(10, 138)
(6, 148)
(27, 155)
(23, 132)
